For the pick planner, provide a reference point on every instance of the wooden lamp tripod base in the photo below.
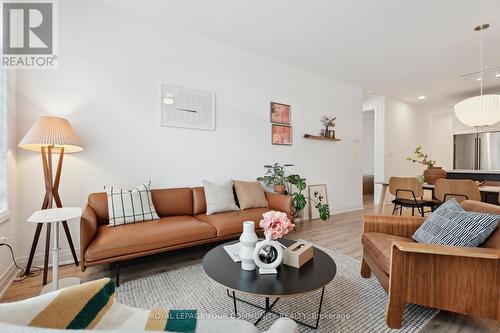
(51, 196)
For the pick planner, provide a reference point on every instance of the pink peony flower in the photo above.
(276, 223)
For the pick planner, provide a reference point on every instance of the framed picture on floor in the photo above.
(281, 135)
(317, 193)
(281, 113)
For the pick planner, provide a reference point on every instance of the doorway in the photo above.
(368, 156)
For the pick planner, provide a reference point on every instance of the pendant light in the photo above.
(482, 110)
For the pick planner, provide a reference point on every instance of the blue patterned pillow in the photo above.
(451, 225)
(451, 204)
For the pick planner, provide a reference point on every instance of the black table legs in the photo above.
(268, 309)
(318, 315)
(234, 300)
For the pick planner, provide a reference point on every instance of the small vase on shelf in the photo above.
(248, 239)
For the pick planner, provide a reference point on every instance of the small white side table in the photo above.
(54, 216)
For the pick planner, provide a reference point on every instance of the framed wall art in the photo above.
(281, 135)
(187, 108)
(317, 193)
(281, 113)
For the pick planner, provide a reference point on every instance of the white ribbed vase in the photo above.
(247, 240)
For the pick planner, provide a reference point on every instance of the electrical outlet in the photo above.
(3, 239)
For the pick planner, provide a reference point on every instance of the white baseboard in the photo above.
(65, 257)
(7, 278)
(346, 209)
(343, 209)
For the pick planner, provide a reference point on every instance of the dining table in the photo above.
(484, 189)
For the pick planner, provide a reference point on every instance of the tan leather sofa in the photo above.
(183, 223)
(459, 279)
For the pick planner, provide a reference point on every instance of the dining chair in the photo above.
(460, 189)
(408, 192)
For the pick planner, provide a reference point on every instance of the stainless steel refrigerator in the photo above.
(479, 151)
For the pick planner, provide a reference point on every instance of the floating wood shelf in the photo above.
(317, 137)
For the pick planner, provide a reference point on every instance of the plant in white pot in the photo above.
(275, 176)
(432, 173)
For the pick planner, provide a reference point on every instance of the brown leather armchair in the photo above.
(458, 279)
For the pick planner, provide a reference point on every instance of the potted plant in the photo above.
(294, 185)
(275, 176)
(432, 173)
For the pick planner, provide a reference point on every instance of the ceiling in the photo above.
(404, 49)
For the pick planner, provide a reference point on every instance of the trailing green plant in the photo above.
(295, 185)
(275, 174)
(299, 200)
(421, 157)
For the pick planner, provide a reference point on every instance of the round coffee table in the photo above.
(290, 281)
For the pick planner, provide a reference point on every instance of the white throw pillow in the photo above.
(130, 206)
(219, 197)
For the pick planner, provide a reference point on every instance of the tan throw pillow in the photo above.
(250, 194)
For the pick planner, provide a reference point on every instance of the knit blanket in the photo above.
(91, 306)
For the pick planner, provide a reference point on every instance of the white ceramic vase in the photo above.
(267, 244)
(247, 240)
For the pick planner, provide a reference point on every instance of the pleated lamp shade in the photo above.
(51, 131)
(477, 111)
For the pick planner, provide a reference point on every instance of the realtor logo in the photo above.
(28, 34)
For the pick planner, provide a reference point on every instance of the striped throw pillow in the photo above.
(77, 307)
(130, 206)
(451, 225)
(165, 320)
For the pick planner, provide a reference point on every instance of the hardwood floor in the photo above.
(342, 233)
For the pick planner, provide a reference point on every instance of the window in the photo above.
(4, 136)
(4, 145)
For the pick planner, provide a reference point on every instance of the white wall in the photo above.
(368, 142)
(8, 227)
(407, 127)
(441, 147)
(111, 64)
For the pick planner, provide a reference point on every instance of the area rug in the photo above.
(351, 303)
